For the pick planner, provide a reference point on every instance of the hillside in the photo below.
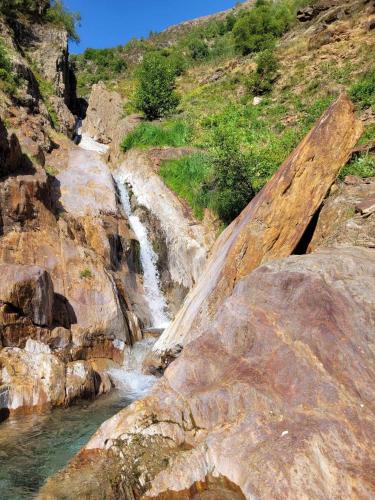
(326, 50)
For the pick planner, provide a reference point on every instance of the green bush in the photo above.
(198, 49)
(61, 16)
(174, 134)
(8, 80)
(230, 185)
(155, 95)
(257, 29)
(26, 6)
(363, 92)
(186, 176)
(261, 81)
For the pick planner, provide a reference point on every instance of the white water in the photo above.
(129, 379)
(151, 282)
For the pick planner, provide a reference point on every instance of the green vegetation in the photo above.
(156, 96)
(258, 28)
(46, 90)
(9, 81)
(85, 274)
(175, 133)
(362, 166)
(363, 92)
(61, 16)
(96, 65)
(56, 13)
(262, 80)
(186, 176)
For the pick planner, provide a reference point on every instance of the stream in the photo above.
(34, 447)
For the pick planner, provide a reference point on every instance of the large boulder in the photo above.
(29, 290)
(272, 225)
(105, 121)
(274, 400)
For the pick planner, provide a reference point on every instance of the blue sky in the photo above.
(107, 23)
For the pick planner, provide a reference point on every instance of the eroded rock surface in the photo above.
(280, 399)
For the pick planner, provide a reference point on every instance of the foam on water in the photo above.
(151, 282)
(90, 144)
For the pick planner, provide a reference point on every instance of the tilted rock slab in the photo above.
(276, 397)
(273, 223)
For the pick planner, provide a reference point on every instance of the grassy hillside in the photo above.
(293, 69)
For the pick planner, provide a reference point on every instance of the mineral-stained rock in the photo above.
(29, 290)
(272, 224)
(276, 396)
(347, 217)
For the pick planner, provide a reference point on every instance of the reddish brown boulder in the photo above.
(276, 398)
(272, 224)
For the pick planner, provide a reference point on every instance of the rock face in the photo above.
(279, 401)
(29, 290)
(273, 223)
(105, 121)
(347, 216)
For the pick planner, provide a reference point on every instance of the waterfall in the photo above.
(129, 379)
(151, 282)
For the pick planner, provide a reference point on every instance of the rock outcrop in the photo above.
(279, 401)
(105, 121)
(273, 223)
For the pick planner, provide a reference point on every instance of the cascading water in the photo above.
(151, 283)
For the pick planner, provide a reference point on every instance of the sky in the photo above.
(107, 23)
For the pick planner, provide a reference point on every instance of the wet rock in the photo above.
(28, 289)
(274, 222)
(274, 392)
(80, 381)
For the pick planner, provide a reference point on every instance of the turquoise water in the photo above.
(34, 447)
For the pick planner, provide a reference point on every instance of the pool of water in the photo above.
(34, 447)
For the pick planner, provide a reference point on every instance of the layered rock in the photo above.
(272, 225)
(279, 401)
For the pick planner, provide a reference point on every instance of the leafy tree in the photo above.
(156, 96)
(256, 29)
(262, 80)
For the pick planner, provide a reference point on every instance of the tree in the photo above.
(156, 96)
(198, 49)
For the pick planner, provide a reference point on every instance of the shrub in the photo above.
(231, 180)
(155, 95)
(256, 29)
(363, 92)
(59, 15)
(148, 134)
(198, 49)
(263, 78)
(8, 80)
(25, 6)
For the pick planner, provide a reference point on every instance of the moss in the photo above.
(85, 274)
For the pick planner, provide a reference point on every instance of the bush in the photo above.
(198, 49)
(363, 92)
(175, 134)
(8, 80)
(230, 184)
(257, 29)
(26, 6)
(265, 75)
(155, 95)
(61, 16)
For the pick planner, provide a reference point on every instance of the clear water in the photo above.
(34, 447)
(151, 282)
